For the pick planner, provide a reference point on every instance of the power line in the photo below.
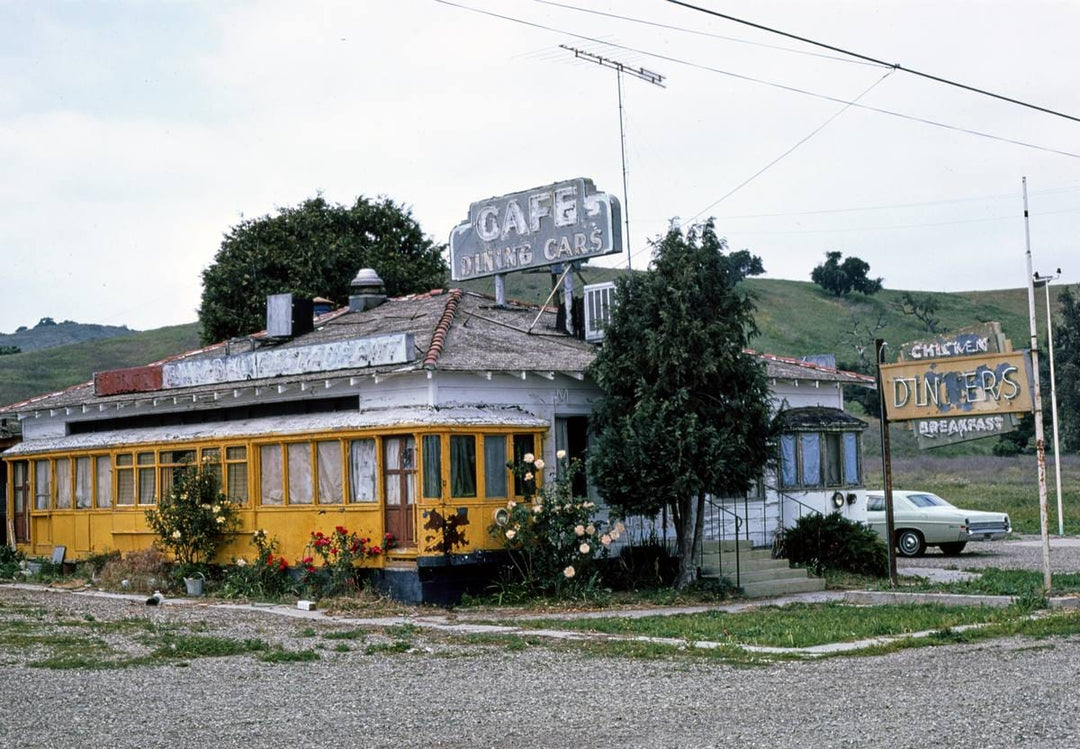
(779, 158)
(751, 79)
(699, 32)
(867, 58)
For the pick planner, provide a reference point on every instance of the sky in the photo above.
(134, 134)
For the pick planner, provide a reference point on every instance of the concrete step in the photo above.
(744, 558)
(783, 587)
(780, 572)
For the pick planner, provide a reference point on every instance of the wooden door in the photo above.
(21, 485)
(399, 488)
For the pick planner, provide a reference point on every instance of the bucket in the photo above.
(194, 586)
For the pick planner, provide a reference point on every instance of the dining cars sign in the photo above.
(985, 385)
(559, 223)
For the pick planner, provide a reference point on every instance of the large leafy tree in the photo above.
(685, 412)
(841, 278)
(313, 249)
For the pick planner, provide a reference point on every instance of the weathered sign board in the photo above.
(559, 223)
(984, 338)
(963, 386)
(357, 353)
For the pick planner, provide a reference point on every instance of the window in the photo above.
(495, 466)
(210, 463)
(523, 443)
(362, 470)
(875, 504)
(811, 458)
(125, 479)
(103, 465)
(432, 446)
(852, 475)
(271, 477)
(236, 474)
(172, 462)
(462, 465)
(328, 461)
(84, 491)
(63, 483)
(819, 460)
(147, 478)
(301, 489)
(42, 484)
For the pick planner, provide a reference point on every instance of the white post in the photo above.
(1053, 403)
(1040, 440)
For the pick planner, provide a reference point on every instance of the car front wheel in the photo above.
(953, 549)
(910, 543)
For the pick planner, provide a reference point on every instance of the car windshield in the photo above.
(927, 500)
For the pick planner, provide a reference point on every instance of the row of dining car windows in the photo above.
(328, 472)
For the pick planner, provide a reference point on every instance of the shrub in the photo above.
(266, 577)
(340, 551)
(9, 562)
(832, 542)
(146, 571)
(552, 537)
(193, 519)
(642, 566)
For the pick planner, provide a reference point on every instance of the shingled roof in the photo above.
(452, 330)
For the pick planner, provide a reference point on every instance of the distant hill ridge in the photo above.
(49, 334)
(795, 318)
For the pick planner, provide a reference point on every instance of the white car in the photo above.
(923, 519)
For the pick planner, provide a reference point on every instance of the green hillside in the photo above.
(49, 333)
(36, 372)
(796, 318)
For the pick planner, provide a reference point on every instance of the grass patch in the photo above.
(381, 648)
(797, 625)
(998, 582)
(206, 646)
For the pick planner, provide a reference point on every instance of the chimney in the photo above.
(367, 291)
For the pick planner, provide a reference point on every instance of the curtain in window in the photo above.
(42, 486)
(362, 470)
(833, 459)
(147, 478)
(851, 459)
(270, 478)
(811, 459)
(236, 477)
(462, 466)
(63, 484)
(125, 480)
(432, 444)
(104, 481)
(495, 466)
(328, 455)
(788, 468)
(301, 489)
(83, 489)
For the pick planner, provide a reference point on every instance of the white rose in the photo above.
(510, 535)
(579, 530)
(527, 458)
(539, 463)
(569, 571)
(560, 454)
(584, 548)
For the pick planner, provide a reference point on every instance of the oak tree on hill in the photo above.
(685, 412)
(313, 249)
(841, 278)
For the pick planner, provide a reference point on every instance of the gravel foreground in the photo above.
(1005, 693)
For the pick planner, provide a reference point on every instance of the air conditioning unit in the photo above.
(599, 300)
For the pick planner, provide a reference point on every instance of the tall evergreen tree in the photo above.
(685, 412)
(1067, 369)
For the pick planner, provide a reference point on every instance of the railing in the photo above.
(712, 507)
(782, 499)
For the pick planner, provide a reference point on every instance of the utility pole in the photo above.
(1040, 438)
(646, 75)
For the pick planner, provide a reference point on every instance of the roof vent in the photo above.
(287, 316)
(599, 301)
(367, 291)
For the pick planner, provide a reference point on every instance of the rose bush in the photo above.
(553, 538)
(340, 552)
(193, 519)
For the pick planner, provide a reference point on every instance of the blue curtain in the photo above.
(811, 459)
(788, 473)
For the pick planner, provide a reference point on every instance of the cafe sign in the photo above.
(559, 223)
(961, 386)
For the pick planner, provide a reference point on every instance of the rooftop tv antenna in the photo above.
(646, 75)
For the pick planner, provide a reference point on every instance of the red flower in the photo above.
(389, 536)
(306, 560)
(341, 529)
(270, 561)
(333, 551)
(375, 551)
(317, 535)
(283, 565)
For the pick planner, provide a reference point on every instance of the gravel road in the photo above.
(1005, 693)
(1024, 552)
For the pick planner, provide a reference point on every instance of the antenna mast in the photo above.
(646, 75)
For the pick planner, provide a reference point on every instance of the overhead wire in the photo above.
(867, 58)
(773, 84)
(699, 32)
